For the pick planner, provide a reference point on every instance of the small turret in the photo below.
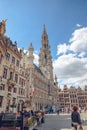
(56, 82)
(30, 56)
(31, 49)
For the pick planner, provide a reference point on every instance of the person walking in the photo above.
(76, 119)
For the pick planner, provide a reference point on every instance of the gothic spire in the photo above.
(44, 34)
(45, 59)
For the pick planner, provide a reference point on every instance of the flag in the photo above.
(33, 89)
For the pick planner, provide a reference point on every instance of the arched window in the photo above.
(44, 37)
(44, 45)
(1, 57)
(45, 59)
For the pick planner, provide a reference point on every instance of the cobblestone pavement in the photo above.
(84, 120)
(60, 122)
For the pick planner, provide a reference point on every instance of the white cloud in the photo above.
(79, 40)
(36, 58)
(71, 68)
(78, 25)
(62, 48)
(82, 54)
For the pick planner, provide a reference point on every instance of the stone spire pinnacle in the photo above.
(44, 33)
(30, 56)
(44, 29)
(31, 47)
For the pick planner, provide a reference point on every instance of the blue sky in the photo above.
(66, 25)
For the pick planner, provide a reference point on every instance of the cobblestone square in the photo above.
(60, 122)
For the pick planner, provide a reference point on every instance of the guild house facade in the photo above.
(68, 97)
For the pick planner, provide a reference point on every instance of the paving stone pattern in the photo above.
(61, 122)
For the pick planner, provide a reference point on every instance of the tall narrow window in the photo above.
(5, 73)
(14, 90)
(13, 60)
(1, 99)
(48, 89)
(1, 57)
(45, 59)
(44, 45)
(17, 63)
(7, 56)
(9, 88)
(11, 75)
(16, 78)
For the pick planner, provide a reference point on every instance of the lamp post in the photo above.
(22, 115)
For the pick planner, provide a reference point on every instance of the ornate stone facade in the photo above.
(25, 85)
(22, 83)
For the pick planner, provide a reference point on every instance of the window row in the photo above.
(21, 91)
(73, 96)
(2, 87)
(11, 77)
(11, 88)
(13, 60)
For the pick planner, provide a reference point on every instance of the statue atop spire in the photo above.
(3, 27)
(44, 29)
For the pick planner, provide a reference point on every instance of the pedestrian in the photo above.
(58, 111)
(42, 118)
(76, 120)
